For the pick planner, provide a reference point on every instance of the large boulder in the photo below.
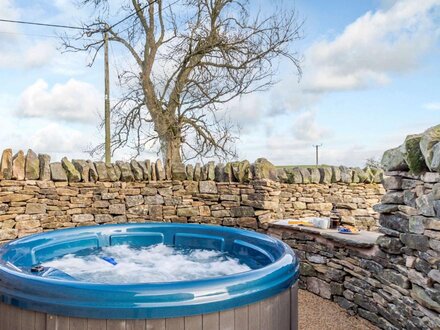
(229, 173)
(137, 171)
(413, 154)
(394, 160)
(220, 175)
(359, 175)
(32, 167)
(57, 172)
(18, 163)
(346, 174)
(336, 174)
(197, 172)
(377, 174)
(178, 171)
(6, 164)
(126, 173)
(44, 161)
(113, 174)
(315, 176)
(435, 160)
(429, 139)
(294, 175)
(282, 175)
(72, 173)
(306, 177)
(264, 169)
(148, 172)
(101, 170)
(326, 174)
(160, 171)
(93, 174)
(242, 171)
(210, 171)
(189, 172)
(153, 171)
(83, 168)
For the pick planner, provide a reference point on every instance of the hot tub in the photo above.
(264, 297)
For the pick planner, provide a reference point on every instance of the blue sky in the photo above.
(371, 76)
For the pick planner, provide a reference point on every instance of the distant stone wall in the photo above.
(38, 167)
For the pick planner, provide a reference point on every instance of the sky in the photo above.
(371, 76)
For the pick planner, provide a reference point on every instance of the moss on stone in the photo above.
(413, 155)
(429, 138)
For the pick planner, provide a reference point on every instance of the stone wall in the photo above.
(393, 289)
(38, 167)
(393, 281)
(32, 206)
(351, 203)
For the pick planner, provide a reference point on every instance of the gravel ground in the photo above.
(316, 313)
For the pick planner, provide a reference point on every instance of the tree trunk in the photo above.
(170, 146)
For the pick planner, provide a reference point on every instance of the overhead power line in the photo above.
(133, 13)
(42, 24)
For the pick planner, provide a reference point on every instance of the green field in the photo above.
(291, 166)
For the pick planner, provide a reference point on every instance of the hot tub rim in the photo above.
(286, 267)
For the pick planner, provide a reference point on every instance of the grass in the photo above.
(306, 166)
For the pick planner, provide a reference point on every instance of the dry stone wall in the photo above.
(37, 194)
(32, 206)
(350, 203)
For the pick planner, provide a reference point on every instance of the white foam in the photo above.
(158, 263)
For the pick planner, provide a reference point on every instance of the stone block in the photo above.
(415, 241)
(319, 287)
(242, 211)
(117, 209)
(178, 171)
(134, 200)
(208, 187)
(36, 208)
(160, 171)
(154, 200)
(392, 182)
(393, 197)
(103, 218)
(390, 245)
(32, 168)
(101, 170)
(18, 166)
(57, 172)
(394, 222)
(126, 172)
(72, 173)
(79, 218)
(6, 165)
(137, 171)
(425, 205)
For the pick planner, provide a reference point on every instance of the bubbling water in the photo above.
(158, 263)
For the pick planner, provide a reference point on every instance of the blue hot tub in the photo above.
(264, 297)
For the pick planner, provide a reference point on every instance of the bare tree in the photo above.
(190, 58)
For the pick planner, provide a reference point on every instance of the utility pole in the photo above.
(107, 100)
(317, 146)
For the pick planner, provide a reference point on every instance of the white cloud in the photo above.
(432, 106)
(75, 100)
(56, 138)
(38, 54)
(305, 127)
(7, 9)
(373, 47)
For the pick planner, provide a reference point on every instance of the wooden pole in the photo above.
(107, 101)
